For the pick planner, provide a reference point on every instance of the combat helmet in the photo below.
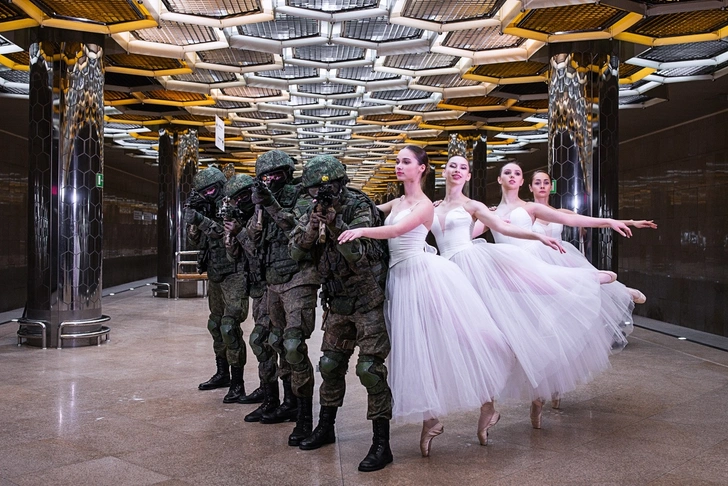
(208, 177)
(274, 160)
(237, 184)
(322, 169)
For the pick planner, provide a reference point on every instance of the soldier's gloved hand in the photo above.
(192, 217)
(330, 216)
(262, 195)
(254, 228)
(232, 227)
(315, 220)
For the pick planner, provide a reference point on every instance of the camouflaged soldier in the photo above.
(227, 289)
(241, 247)
(292, 287)
(353, 282)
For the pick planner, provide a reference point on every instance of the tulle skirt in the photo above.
(616, 302)
(548, 314)
(447, 353)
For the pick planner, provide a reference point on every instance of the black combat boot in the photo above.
(237, 387)
(324, 432)
(220, 379)
(257, 395)
(270, 403)
(304, 421)
(379, 453)
(287, 411)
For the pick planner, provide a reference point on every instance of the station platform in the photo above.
(128, 412)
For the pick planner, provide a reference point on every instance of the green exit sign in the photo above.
(553, 186)
(99, 180)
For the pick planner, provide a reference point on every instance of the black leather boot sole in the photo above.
(213, 383)
(257, 396)
(377, 459)
(280, 415)
(233, 396)
(320, 437)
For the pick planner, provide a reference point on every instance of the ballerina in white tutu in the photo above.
(617, 302)
(540, 187)
(549, 314)
(447, 353)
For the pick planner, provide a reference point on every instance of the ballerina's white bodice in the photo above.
(407, 245)
(549, 229)
(453, 231)
(518, 217)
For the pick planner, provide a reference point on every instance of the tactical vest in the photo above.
(345, 289)
(279, 266)
(218, 264)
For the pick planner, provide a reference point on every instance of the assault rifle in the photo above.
(229, 211)
(198, 202)
(257, 185)
(324, 200)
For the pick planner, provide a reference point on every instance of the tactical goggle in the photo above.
(329, 188)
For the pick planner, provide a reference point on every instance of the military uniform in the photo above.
(242, 242)
(227, 289)
(291, 293)
(353, 281)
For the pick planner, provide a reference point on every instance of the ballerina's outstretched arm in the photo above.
(491, 221)
(421, 214)
(640, 223)
(552, 215)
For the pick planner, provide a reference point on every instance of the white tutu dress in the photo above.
(447, 354)
(617, 304)
(548, 314)
(613, 312)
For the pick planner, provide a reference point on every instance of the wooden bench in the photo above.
(186, 261)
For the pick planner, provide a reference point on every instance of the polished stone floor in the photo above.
(129, 413)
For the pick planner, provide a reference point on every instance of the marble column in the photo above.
(178, 157)
(584, 140)
(65, 188)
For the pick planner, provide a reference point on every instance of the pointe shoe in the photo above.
(536, 409)
(427, 436)
(487, 420)
(555, 401)
(637, 296)
(608, 276)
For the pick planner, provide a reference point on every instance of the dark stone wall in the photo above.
(129, 205)
(679, 177)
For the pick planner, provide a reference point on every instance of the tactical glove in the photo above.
(192, 217)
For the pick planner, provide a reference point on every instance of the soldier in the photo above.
(241, 247)
(292, 287)
(353, 280)
(227, 292)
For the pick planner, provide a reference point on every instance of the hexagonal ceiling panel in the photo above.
(360, 78)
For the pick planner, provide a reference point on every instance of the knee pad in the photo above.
(230, 330)
(275, 341)
(330, 366)
(257, 340)
(213, 325)
(294, 345)
(371, 374)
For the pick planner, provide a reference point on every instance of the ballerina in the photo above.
(447, 353)
(548, 313)
(617, 302)
(540, 187)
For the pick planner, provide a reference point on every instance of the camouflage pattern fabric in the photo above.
(293, 318)
(353, 281)
(228, 302)
(341, 335)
